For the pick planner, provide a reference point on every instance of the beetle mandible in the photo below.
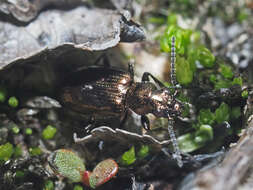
(112, 92)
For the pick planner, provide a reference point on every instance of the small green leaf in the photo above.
(78, 187)
(178, 33)
(205, 57)
(13, 102)
(35, 151)
(15, 129)
(184, 73)
(49, 132)
(164, 44)
(226, 71)
(49, 185)
(128, 157)
(6, 151)
(206, 117)
(245, 94)
(172, 19)
(192, 57)
(222, 113)
(222, 84)
(237, 80)
(143, 152)
(186, 143)
(205, 133)
(193, 141)
(28, 131)
(67, 164)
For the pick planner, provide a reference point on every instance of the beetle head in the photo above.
(165, 104)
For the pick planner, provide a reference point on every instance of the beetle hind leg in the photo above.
(104, 60)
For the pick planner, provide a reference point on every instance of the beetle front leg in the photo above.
(145, 122)
(146, 75)
(131, 68)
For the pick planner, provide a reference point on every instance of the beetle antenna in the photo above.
(177, 154)
(173, 62)
(173, 80)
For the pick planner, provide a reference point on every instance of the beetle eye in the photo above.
(176, 107)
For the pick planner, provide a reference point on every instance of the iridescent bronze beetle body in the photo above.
(110, 92)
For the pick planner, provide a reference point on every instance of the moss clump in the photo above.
(13, 102)
(6, 151)
(49, 132)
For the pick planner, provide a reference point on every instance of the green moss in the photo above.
(222, 113)
(49, 185)
(35, 151)
(49, 132)
(28, 131)
(237, 80)
(15, 129)
(226, 71)
(184, 73)
(78, 187)
(193, 141)
(68, 164)
(205, 132)
(172, 19)
(205, 116)
(6, 151)
(205, 57)
(128, 157)
(13, 102)
(245, 94)
(143, 152)
(186, 143)
(222, 84)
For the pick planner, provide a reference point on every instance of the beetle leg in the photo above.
(145, 122)
(146, 75)
(123, 119)
(105, 60)
(90, 126)
(131, 68)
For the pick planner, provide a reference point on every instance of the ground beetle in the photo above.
(112, 92)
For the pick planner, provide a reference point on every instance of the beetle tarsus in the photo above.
(88, 128)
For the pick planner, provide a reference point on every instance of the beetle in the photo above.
(112, 92)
